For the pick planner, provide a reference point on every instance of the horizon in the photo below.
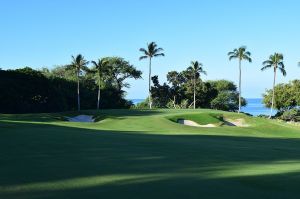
(41, 34)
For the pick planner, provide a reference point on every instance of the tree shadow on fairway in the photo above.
(48, 161)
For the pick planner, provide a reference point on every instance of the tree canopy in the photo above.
(27, 90)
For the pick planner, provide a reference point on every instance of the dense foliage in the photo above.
(287, 96)
(286, 100)
(179, 93)
(29, 91)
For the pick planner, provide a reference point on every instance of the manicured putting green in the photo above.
(142, 154)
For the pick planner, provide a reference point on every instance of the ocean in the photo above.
(254, 106)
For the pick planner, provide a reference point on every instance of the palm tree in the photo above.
(99, 66)
(275, 61)
(78, 64)
(152, 51)
(240, 54)
(196, 68)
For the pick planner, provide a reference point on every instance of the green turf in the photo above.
(142, 154)
(200, 118)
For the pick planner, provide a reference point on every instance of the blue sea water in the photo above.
(254, 106)
(136, 101)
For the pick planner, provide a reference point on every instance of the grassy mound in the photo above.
(199, 118)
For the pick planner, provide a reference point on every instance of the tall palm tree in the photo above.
(78, 64)
(196, 68)
(276, 62)
(99, 66)
(240, 54)
(151, 51)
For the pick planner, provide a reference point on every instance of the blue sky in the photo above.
(44, 33)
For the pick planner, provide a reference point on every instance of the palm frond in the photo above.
(246, 57)
(267, 62)
(266, 67)
(232, 57)
(159, 55)
(157, 50)
(144, 51)
(152, 51)
(143, 57)
(282, 70)
(94, 63)
(230, 53)
(281, 64)
(204, 72)
(248, 54)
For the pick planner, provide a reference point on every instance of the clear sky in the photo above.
(45, 33)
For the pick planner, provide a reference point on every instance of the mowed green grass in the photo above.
(142, 154)
(202, 119)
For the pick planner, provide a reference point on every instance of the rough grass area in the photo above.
(142, 154)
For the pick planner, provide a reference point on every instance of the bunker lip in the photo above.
(81, 118)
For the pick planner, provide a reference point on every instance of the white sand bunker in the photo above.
(237, 122)
(192, 123)
(81, 118)
(228, 122)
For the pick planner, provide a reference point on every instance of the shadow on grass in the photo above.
(47, 161)
(99, 115)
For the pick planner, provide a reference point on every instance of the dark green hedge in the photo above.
(29, 91)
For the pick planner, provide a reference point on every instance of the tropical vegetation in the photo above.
(240, 54)
(195, 69)
(275, 62)
(29, 91)
(149, 53)
(103, 84)
(185, 89)
(99, 68)
(78, 64)
(286, 99)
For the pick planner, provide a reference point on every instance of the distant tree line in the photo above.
(67, 87)
(188, 82)
(76, 85)
(186, 89)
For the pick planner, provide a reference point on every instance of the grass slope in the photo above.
(142, 154)
(199, 118)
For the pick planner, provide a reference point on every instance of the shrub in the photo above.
(227, 101)
(291, 115)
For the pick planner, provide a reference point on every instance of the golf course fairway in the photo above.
(136, 154)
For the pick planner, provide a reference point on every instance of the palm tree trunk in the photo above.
(99, 93)
(273, 96)
(194, 91)
(78, 92)
(150, 100)
(240, 83)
